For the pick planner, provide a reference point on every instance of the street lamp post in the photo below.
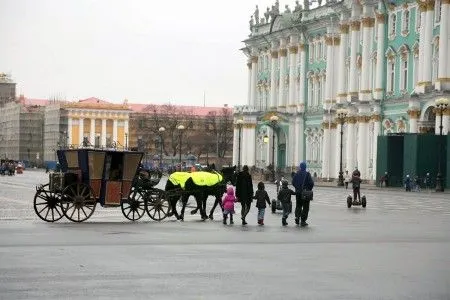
(126, 141)
(239, 124)
(180, 132)
(341, 114)
(441, 106)
(161, 131)
(273, 121)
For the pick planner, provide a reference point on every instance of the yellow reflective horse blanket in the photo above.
(200, 178)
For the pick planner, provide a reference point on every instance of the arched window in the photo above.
(390, 75)
(405, 23)
(310, 91)
(392, 24)
(437, 11)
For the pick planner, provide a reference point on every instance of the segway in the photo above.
(355, 202)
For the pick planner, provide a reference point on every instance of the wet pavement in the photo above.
(396, 248)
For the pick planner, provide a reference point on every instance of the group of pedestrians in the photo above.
(244, 194)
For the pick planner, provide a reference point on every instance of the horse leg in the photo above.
(218, 201)
(173, 208)
(203, 199)
(184, 200)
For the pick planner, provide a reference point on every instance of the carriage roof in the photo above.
(95, 163)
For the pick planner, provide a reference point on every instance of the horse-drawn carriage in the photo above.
(88, 177)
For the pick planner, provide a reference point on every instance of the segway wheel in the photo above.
(274, 206)
(349, 201)
(363, 201)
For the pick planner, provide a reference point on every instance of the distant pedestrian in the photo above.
(284, 196)
(408, 183)
(244, 192)
(356, 185)
(347, 179)
(228, 201)
(302, 180)
(261, 197)
(427, 181)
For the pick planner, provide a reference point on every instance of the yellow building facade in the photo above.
(97, 123)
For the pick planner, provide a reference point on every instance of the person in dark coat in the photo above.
(302, 180)
(356, 184)
(244, 192)
(284, 195)
(261, 198)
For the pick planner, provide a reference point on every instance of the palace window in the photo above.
(437, 12)
(404, 74)
(310, 91)
(319, 90)
(390, 75)
(416, 65)
(392, 25)
(418, 19)
(311, 51)
(405, 22)
(435, 61)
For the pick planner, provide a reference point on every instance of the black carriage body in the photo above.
(110, 174)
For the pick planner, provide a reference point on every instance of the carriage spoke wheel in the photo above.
(157, 206)
(47, 204)
(78, 202)
(134, 207)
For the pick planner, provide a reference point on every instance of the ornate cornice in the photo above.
(254, 59)
(413, 113)
(326, 125)
(293, 49)
(351, 120)
(376, 118)
(430, 5)
(422, 6)
(301, 47)
(363, 119)
(355, 25)
(274, 54)
(344, 28)
(96, 106)
(368, 22)
(445, 2)
(330, 41)
(283, 52)
(380, 17)
(249, 65)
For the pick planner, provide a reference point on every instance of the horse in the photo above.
(197, 184)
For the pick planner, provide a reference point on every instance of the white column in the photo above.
(444, 72)
(103, 137)
(427, 43)
(413, 120)
(114, 130)
(281, 86)
(293, 49)
(249, 85)
(380, 74)
(336, 134)
(363, 147)
(80, 131)
(302, 83)
(437, 123)
(273, 77)
(69, 131)
(326, 149)
(445, 122)
(251, 150)
(342, 93)
(328, 92)
(254, 80)
(126, 131)
(423, 17)
(354, 49)
(298, 138)
(376, 132)
(351, 144)
(365, 92)
(92, 132)
(236, 145)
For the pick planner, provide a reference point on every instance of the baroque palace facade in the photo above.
(380, 64)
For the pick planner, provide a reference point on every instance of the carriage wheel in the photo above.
(47, 204)
(134, 207)
(157, 206)
(78, 202)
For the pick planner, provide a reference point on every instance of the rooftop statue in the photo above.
(298, 6)
(257, 15)
(251, 22)
(287, 9)
(306, 4)
(267, 15)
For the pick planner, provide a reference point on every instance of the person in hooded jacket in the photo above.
(261, 197)
(302, 180)
(244, 192)
(228, 205)
(284, 195)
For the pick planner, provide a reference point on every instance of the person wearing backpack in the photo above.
(302, 180)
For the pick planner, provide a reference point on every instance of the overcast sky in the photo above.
(145, 51)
